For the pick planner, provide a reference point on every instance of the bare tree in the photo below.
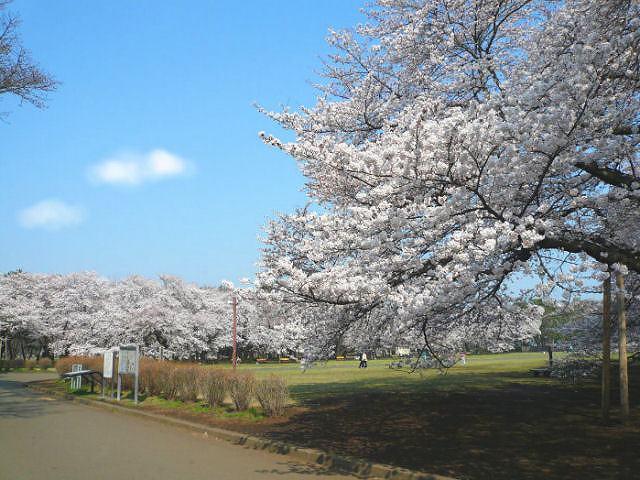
(19, 75)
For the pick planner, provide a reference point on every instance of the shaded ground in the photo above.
(527, 430)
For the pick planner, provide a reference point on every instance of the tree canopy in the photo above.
(456, 144)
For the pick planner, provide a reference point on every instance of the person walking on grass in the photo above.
(363, 360)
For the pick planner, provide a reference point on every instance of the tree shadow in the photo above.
(15, 402)
(491, 425)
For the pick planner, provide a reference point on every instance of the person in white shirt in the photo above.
(363, 360)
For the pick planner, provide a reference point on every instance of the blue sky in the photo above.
(147, 159)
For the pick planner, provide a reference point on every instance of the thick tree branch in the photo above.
(596, 248)
(608, 175)
(627, 130)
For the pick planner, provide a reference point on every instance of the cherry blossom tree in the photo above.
(456, 145)
(20, 312)
(83, 313)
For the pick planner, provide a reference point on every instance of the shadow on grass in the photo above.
(494, 425)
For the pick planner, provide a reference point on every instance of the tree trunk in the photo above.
(338, 343)
(606, 347)
(622, 348)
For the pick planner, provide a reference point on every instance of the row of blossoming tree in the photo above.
(81, 313)
(54, 315)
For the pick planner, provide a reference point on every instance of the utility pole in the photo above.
(234, 303)
(622, 347)
(606, 347)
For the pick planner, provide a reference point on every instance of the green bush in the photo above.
(17, 363)
(241, 389)
(273, 395)
(576, 369)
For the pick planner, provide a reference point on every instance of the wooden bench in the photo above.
(339, 359)
(262, 360)
(286, 360)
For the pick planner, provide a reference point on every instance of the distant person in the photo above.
(363, 360)
(463, 358)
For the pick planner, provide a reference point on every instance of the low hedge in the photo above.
(190, 382)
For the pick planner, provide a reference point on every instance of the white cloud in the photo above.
(136, 168)
(50, 214)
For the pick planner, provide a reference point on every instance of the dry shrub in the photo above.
(187, 382)
(30, 364)
(166, 381)
(241, 389)
(63, 365)
(154, 375)
(214, 386)
(273, 395)
(44, 363)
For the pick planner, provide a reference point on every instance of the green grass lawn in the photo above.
(344, 377)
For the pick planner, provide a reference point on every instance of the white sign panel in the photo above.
(128, 360)
(107, 365)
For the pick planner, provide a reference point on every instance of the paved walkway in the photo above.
(45, 438)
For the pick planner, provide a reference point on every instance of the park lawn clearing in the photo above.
(488, 419)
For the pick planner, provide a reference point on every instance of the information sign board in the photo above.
(107, 365)
(128, 360)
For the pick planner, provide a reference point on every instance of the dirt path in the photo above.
(41, 437)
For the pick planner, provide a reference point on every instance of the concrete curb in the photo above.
(331, 461)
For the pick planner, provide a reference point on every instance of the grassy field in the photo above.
(489, 419)
(338, 378)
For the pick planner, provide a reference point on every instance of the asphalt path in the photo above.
(45, 438)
